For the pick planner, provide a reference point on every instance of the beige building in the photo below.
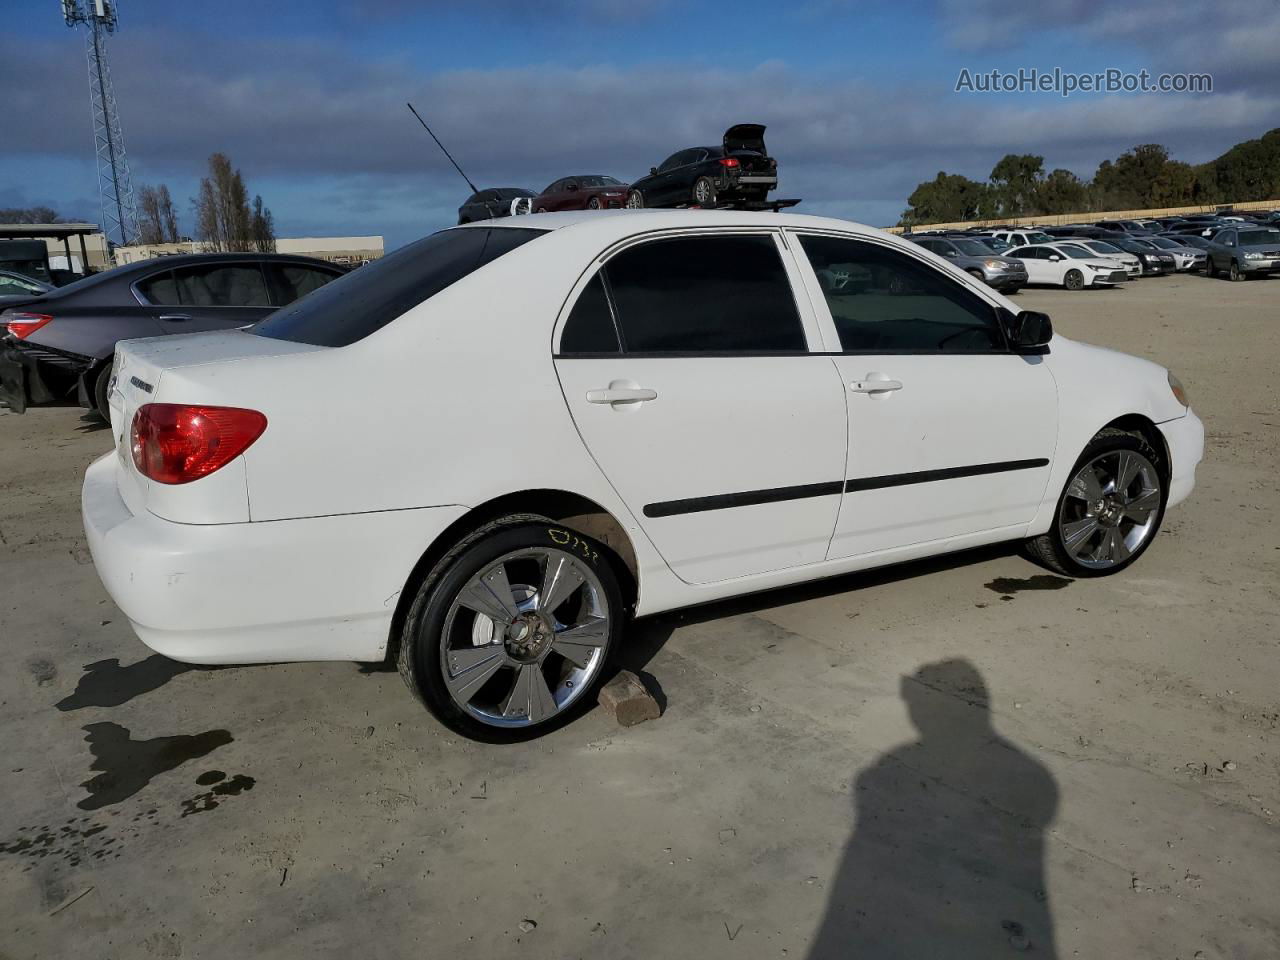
(348, 251)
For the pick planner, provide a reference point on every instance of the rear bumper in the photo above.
(1185, 440)
(321, 588)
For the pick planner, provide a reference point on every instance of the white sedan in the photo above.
(1109, 251)
(1067, 265)
(480, 456)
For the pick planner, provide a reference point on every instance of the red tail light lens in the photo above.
(178, 443)
(22, 325)
(729, 162)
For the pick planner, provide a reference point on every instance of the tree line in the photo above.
(224, 218)
(1141, 178)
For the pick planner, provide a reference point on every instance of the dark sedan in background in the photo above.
(63, 341)
(740, 169)
(584, 192)
(492, 203)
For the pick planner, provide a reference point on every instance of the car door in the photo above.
(207, 296)
(1038, 270)
(950, 433)
(550, 198)
(670, 173)
(685, 362)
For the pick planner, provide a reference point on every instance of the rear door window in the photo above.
(354, 306)
(160, 289)
(711, 294)
(222, 285)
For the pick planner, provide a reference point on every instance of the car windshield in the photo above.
(1141, 245)
(995, 243)
(1074, 252)
(355, 305)
(1162, 242)
(1036, 236)
(1101, 246)
(599, 181)
(1258, 238)
(971, 248)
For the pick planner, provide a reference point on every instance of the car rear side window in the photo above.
(883, 301)
(222, 285)
(294, 280)
(714, 294)
(160, 289)
(590, 328)
(367, 299)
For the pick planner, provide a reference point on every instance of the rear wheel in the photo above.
(102, 393)
(1110, 510)
(510, 634)
(704, 192)
(1074, 280)
(635, 200)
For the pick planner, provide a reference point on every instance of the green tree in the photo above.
(1015, 182)
(947, 198)
(262, 226)
(1061, 192)
(223, 219)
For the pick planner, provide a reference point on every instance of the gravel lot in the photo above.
(1119, 785)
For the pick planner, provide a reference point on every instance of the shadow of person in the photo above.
(947, 854)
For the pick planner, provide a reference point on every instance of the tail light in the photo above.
(730, 162)
(178, 443)
(22, 325)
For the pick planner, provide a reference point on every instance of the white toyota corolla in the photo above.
(481, 455)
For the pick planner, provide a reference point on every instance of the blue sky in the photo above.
(308, 97)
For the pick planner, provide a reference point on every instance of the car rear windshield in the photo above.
(367, 299)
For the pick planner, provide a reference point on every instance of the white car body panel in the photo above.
(300, 548)
(1054, 272)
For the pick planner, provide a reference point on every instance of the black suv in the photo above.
(739, 170)
(491, 204)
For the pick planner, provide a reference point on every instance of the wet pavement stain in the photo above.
(1012, 585)
(204, 802)
(128, 765)
(77, 840)
(107, 684)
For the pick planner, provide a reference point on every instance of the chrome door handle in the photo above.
(621, 395)
(875, 386)
(175, 317)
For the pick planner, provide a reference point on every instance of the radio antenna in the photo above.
(473, 187)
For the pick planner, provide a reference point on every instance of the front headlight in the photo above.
(993, 264)
(1254, 256)
(1179, 391)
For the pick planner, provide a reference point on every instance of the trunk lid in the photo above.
(745, 136)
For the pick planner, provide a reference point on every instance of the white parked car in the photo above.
(1109, 251)
(1020, 238)
(1068, 265)
(484, 453)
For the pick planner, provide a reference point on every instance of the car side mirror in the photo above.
(1028, 330)
(1054, 257)
(652, 171)
(951, 253)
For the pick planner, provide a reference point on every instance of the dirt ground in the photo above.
(965, 757)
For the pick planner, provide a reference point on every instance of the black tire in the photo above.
(541, 210)
(419, 650)
(101, 384)
(977, 275)
(703, 193)
(635, 200)
(1073, 280)
(1210, 270)
(1233, 272)
(593, 203)
(1048, 548)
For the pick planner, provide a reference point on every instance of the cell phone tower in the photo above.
(115, 187)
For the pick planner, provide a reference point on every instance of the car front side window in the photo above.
(222, 285)
(893, 303)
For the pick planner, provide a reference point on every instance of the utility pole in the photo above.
(115, 186)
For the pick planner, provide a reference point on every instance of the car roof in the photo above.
(615, 225)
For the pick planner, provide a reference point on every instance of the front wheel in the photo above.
(635, 200)
(1234, 272)
(593, 203)
(510, 634)
(1074, 280)
(1110, 510)
(1210, 270)
(977, 275)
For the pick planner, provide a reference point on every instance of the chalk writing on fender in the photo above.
(567, 538)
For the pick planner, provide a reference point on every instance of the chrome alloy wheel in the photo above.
(524, 637)
(1110, 509)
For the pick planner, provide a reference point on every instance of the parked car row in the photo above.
(1237, 246)
(737, 171)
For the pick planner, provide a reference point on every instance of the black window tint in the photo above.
(883, 301)
(222, 285)
(705, 295)
(355, 305)
(160, 289)
(296, 280)
(590, 328)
